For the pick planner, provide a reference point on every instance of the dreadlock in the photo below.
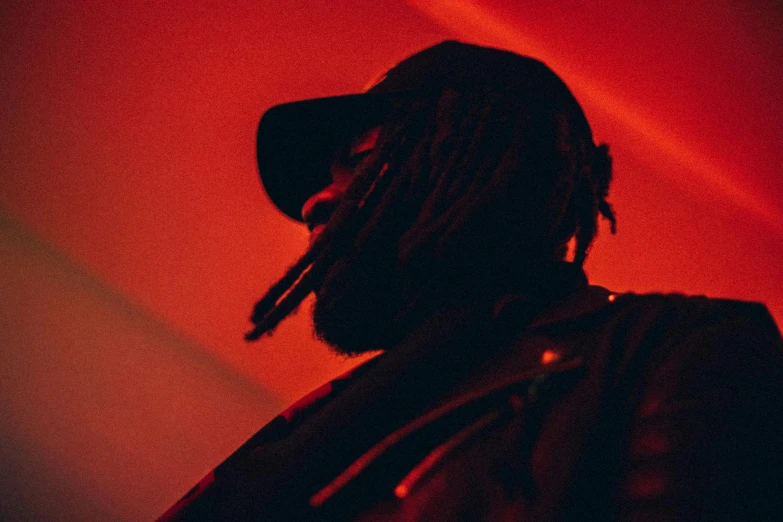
(463, 189)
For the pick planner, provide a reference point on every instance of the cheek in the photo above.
(341, 178)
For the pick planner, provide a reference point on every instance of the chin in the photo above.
(349, 333)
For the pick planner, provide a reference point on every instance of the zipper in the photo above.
(536, 379)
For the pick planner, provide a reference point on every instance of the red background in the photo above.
(128, 170)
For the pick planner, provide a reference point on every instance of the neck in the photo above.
(539, 288)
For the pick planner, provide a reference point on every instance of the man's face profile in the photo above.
(478, 181)
(318, 207)
(345, 298)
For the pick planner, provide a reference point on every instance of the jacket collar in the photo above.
(585, 301)
(519, 310)
(558, 294)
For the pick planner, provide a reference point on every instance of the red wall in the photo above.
(128, 144)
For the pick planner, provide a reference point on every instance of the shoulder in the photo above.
(705, 380)
(623, 335)
(631, 319)
(689, 409)
(681, 324)
(596, 306)
(694, 335)
(621, 326)
(655, 348)
(684, 309)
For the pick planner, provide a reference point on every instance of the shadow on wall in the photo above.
(106, 412)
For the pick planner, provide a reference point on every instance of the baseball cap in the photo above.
(296, 141)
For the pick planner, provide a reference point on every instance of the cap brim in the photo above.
(296, 143)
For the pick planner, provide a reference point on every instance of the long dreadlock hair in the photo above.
(463, 189)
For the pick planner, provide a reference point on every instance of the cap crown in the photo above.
(296, 141)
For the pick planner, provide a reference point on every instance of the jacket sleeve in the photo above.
(211, 497)
(705, 437)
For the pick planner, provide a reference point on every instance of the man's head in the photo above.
(462, 174)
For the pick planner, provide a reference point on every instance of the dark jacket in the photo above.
(603, 407)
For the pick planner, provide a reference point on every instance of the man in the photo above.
(442, 204)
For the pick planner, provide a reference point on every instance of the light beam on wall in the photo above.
(472, 21)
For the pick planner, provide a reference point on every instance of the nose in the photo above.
(318, 207)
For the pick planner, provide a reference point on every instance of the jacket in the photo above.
(601, 407)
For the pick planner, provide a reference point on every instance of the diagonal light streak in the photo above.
(468, 19)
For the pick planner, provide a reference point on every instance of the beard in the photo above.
(370, 300)
(359, 304)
